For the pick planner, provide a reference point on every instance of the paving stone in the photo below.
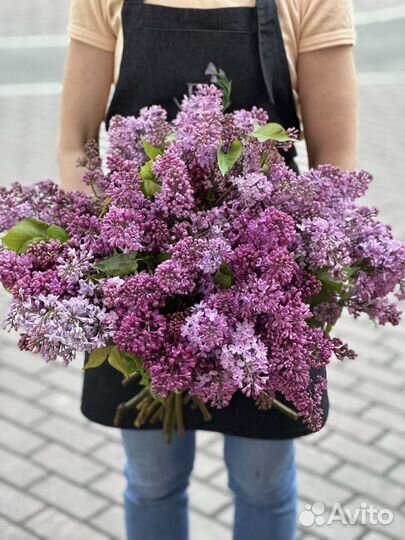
(17, 505)
(386, 418)
(395, 529)
(78, 437)
(348, 401)
(314, 438)
(55, 525)
(18, 471)
(9, 531)
(111, 486)
(220, 481)
(357, 453)
(315, 458)
(310, 537)
(398, 473)
(206, 466)
(23, 412)
(206, 499)
(382, 394)
(108, 432)
(398, 364)
(369, 484)
(205, 438)
(370, 353)
(23, 361)
(317, 489)
(26, 387)
(381, 375)
(392, 443)
(352, 426)
(216, 447)
(375, 536)
(69, 497)
(336, 531)
(226, 516)
(339, 377)
(62, 404)
(19, 439)
(204, 528)
(65, 378)
(71, 465)
(111, 454)
(112, 522)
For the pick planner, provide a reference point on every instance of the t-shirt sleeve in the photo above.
(89, 22)
(325, 23)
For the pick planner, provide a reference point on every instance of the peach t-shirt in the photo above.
(306, 25)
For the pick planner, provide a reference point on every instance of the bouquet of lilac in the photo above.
(202, 264)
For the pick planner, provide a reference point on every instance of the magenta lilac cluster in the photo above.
(217, 279)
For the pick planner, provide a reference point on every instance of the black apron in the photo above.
(166, 51)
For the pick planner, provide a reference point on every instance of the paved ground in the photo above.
(60, 476)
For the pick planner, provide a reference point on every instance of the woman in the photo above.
(292, 57)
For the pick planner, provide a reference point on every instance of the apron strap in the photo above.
(274, 62)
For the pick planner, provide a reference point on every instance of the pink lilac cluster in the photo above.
(218, 282)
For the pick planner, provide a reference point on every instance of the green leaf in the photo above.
(134, 364)
(149, 188)
(351, 270)
(116, 360)
(224, 276)
(325, 278)
(329, 328)
(122, 264)
(170, 137)
(30, 231)
(265, 168)
(162, 257)
(23, 232)
(58, 233)
(313, 323)
(106, 204)
(26, 244)
(97, 358)
(271, 131)
(151, 151)
(227, 160)
(131, 362)
(147, 171)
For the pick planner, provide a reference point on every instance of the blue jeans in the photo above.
(261, 475)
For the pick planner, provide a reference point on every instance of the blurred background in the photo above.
(60, 476)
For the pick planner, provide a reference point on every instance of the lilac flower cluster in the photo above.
(214, 281)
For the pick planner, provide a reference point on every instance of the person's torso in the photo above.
(166, 51)
(288, 18)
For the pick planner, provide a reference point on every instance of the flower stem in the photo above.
(285, 410)
(169, 417)
(179, 413)
(131, 378)
(126, 406)
(203, 408)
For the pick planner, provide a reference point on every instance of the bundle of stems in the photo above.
(169, 411)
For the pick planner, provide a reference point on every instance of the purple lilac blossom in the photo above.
(300, 250)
